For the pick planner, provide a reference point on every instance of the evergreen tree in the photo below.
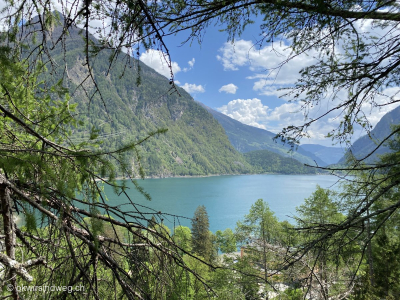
(319, 208)
(201, 238)
(329, 266)
(259, 235)
(379, 233)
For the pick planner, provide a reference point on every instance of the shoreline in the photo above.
(216, 175)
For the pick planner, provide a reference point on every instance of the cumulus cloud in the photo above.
(270, 74)
(156, 59)
(269, 60)
(264, 87)
(193, 88)
(254, 113)
(248, 111)
(244, 53)
(191, 64)
(373, 113)
(228, 88)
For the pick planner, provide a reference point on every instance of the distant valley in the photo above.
(329, 155)
(247, 138)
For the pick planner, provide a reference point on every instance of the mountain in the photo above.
(365, 145)
(264, 161)
(195, 143)
(247, 138)
(330, 155)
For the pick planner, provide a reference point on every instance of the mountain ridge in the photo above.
(365, 145)
(246, 138)
(330, 155)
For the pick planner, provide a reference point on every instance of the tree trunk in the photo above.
(9, 232)
(369, 252)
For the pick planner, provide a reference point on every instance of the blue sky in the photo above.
(240, 81)
(207, 71)
(218, 72)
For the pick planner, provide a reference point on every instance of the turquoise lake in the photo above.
(226, 198)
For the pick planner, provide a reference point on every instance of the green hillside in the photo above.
(195, 143)
(265, 161)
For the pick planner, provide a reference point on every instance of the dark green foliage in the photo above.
(334, 265)
(226, 283)
(386, 262)
(292, 294)
(265, 161)
(320, 208)
(152, 222)
(201, 237)
(248, 279)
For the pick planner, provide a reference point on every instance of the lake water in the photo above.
(226, 198)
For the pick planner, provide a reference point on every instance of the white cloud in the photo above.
(264, 87)
(269, 59)
(158, 61)
(244, 53)
(252, 112)
(191, 64)
(270, 72)
(193, 88)
(248, 111)
(228, 88)
(374, 114)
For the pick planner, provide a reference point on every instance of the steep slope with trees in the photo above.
(69, 234)
(194, 143)
(264, 161)
(43, 178)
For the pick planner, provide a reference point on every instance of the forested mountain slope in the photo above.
(247, 138)
(195, 143)
(365, 145)
(264, 161)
